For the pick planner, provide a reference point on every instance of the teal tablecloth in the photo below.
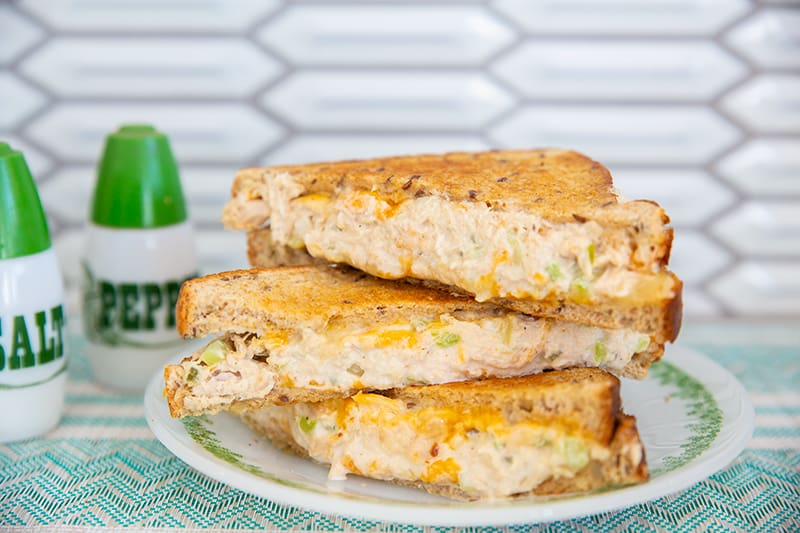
(102, 469)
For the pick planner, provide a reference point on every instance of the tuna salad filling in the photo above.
(440, 349)
(487, 252)
(475, 449)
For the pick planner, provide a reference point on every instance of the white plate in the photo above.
(693, 416)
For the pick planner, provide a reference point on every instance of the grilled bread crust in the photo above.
(558, 185)
(584, 399)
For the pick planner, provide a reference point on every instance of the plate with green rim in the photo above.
(693, 416)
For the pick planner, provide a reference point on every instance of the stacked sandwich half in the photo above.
(453, 322)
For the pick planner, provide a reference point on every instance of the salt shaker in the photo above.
(140, 249)
(33, 347)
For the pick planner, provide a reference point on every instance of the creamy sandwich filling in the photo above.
(441, 349)
(489, 253)
(475, 449)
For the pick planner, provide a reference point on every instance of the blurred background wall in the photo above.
(694, 103)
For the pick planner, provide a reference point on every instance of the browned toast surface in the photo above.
(255, 300)
(557, 184)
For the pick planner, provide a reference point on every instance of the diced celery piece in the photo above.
(575, 453)
(306, 424)
(580, 287)
(554, 271)
(643, 343)
(600, 352)
(214, 352)
(445, 339)
(590, 250)
(192, 375)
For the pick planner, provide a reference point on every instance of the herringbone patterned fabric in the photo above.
(103, 468)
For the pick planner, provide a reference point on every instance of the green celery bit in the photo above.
(643, 343)
(306, 424)
(214, 352)
(580, 286)
(192, 375)
(516, 248)
(554, 271)
(600, 352)
(575, 453)
(445, 339)
(590, 249)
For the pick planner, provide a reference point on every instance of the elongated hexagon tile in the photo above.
(18, 100)
(765, 166)
(316, 148)
(621, 134)
(206, 189)
(221, 250)
(217, 133)
(383, 100)
(696, 304)
(619, 70)
(770, 103)
(164, 15)
(38, 162)
(385, 35)
(766, 228)
(694, 257)
(760, 288)
(17, 34)
(141, 68)
(633, 17)
(690, 197)
(68, 192)
(771, 38)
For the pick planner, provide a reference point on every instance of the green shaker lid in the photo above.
(23, 228)
(137, 181)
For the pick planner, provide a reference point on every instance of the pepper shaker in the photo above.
(32, 320)
(140, 249)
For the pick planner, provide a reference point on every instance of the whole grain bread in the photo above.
(318, 296)
(562, 186)
(586, 401)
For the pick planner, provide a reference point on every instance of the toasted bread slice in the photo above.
(542, 231)
(552, 433)
(307, 333)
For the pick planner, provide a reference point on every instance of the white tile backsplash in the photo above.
(696, 257)
(17, 100)
(384, 100)
(690, 197)
(771, 38)
(632, 17)
(693, 103)
(330, 147)
(218, 133)
(147, 68)
(17, 34)
(760, 288)
(403, 35)
(638, 135)
(765, 166)
(619, 70)
(766, 228)
(769, 103)
(173, 16)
